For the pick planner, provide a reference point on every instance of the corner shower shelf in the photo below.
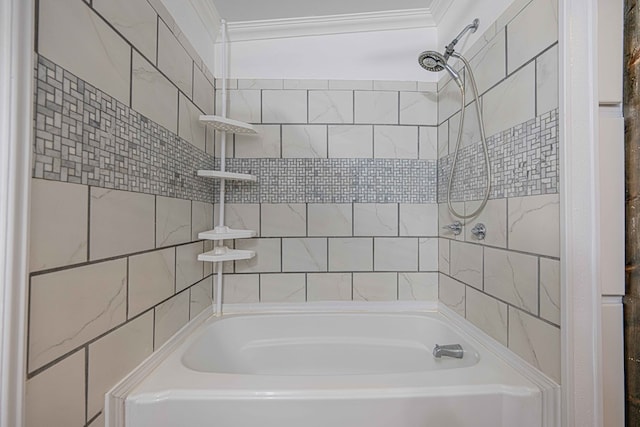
(227, 175)
(226, 233)
(228, 125)
(223, 253)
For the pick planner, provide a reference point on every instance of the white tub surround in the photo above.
(335, 364)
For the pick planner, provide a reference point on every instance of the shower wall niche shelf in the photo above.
(227, 175)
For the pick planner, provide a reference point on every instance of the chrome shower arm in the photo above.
(471, 27)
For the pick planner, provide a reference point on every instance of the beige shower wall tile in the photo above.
(190, 127)
(136, 20)
(452, 293)
(534, 29)
(289, 287)
(115, 355)
(419, 220)
(304, 254)
(351, 254)
(267, 259)
(330, 106)
(201, 296)
(304, 141)
(329, 287)
(188, 269)
(379, 107)
(241, 288)
(419, 108)
(170, 316)
(243, 105)
(512, 277)
(348, 141)
(395, 142)
(76, 38)
(395, 254)
(153, 95)
(283, 219)
(494, 218)
(173, 221)
(266, 143)
(203, 91)
(375, 286)
(151, 279)
(428, 254)
(330, 219)
(243, 216)
(418, 286)
(174, 60)
(534, 224)
(535, 341)
(375, 219)
(71, 307)
(122, 222)
(466, 263)
(59, 224)
(284, 106)
(488, 314)
(428, 143)
(56, 396)
(201, 218)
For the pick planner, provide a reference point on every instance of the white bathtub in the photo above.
(334, 369)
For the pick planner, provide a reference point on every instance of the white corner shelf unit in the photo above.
(221, 232)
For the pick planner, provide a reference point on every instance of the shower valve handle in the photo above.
(455, 228)
(479, 230)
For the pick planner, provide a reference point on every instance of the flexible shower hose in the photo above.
(482, 137)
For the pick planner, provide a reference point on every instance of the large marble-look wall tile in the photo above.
(170, 316)
(56, 396)
(74, 37)
(470, 130)
(488, 314)
(375, 286)
(283, 219)
(443, 139)
(135, 20)
(511, 102)
(307, 254)
(243, 216)
(330, 219)
(122, 222)
(488, 65)
(203, 91)
(267, 259)
(395, 254)
(512, 277)
(173, 221)
(304, 141)
(376, 107)
(418, 286)
(330, 106)
(241, 288)
(428, 254)
(428, 143)
(173, 60)
(443, 255)
(329, 287)
(534, 224)
(419, 219)
(243, 105)
(452, 293)
(266, 144)
(345, 141)
(535, 341)
(284, 106)
(153, 95)
(466, 263)
(534, 29)
(351, 254)
(309, 84)
(547, 81)
(288, 287)
(494, 218)
(395, 142)
(260, 84)
(189, 126)
(151, 279)
(419, 108)
(550, 290)
(201, 218)
(59, 224)
(71, 307)
(201, 297)
(114, 356)
(375, 219)
(449, 101)
(188, 269)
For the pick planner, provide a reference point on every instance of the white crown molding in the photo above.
(209, 16)
(334, 24)
(439, 8)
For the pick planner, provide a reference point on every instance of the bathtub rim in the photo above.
(550, 391)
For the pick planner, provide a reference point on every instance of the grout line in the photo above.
(36, 25)
(86, 383)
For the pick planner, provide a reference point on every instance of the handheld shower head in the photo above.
(434, 61)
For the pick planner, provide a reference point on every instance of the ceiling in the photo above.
(255, 10)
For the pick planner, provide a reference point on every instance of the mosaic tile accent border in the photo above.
(85, 136)
(524, 162)
(334, 181)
